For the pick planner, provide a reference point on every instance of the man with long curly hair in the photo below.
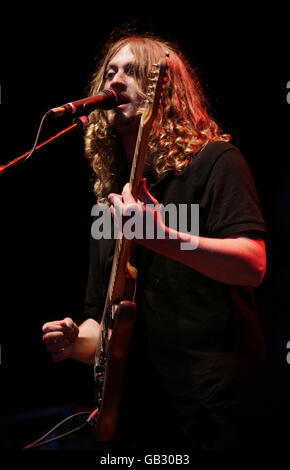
(197, 336)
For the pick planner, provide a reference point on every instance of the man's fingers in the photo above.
(114, 198)
(52, 326)
(56, 346)
(131, 209)
(67, 326)
(67, 323)
(58, 337)
(124, 207)
(53, 336)
(127, 195)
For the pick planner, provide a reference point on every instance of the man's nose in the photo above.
(119, 79)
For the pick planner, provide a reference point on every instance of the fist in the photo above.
(59, 337)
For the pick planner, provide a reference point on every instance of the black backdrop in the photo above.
(241, 58)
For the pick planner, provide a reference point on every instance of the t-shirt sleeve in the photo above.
(230, 200)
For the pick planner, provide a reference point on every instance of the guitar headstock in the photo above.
(155, 90)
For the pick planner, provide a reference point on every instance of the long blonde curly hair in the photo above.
(182, 127)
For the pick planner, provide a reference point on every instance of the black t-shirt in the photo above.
(198, 336)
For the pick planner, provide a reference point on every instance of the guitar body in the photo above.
(111, 388)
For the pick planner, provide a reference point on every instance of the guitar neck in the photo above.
(139, 159)
(122, 270)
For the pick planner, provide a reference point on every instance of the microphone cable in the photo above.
(37, 136)
(81, 122)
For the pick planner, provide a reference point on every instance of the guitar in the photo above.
(118, 319)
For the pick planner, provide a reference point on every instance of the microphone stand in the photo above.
(81, 122)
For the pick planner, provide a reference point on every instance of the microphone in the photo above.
(106, 99)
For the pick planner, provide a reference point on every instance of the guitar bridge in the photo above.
(99, 374)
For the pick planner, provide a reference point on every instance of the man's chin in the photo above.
(124, 124)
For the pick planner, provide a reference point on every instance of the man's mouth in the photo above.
(123, 99)
(122, 105)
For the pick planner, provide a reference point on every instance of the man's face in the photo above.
(120, 76)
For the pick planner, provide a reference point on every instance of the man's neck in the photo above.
(129, 144)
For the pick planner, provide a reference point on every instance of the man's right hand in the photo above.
(59, 337)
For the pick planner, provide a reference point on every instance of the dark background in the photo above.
(242, 60)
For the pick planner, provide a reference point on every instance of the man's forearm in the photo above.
(83, 349)
(238, 261)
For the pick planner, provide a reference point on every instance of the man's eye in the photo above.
(109, 75)
(132, 70)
